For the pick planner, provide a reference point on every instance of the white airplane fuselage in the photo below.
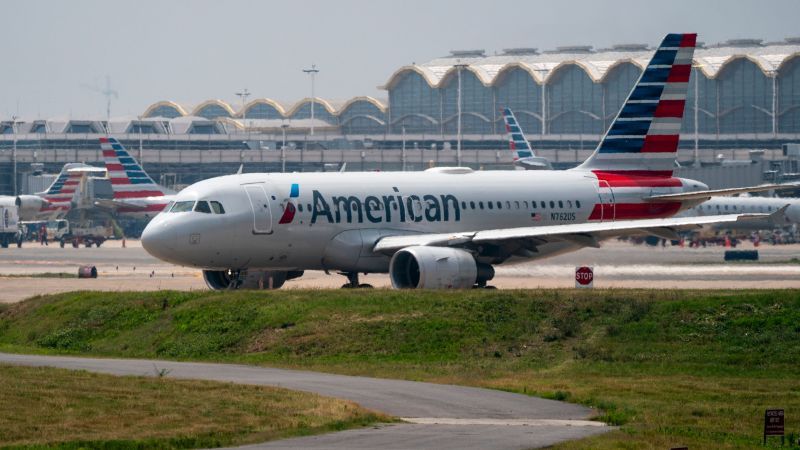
(338, 217)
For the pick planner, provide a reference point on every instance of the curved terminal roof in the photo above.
(335, 108)
(770, 58)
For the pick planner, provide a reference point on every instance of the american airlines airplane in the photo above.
(57, 200)
(135, 193)
(445, 227)
(524, 158)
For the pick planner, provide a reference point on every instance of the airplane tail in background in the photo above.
(64, 189)
(643, 139)
(516, 138)
(128, 179)
(524, 156)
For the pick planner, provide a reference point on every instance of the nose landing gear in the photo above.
(352, 281)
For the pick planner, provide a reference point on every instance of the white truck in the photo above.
(9, 225)
(86, 233)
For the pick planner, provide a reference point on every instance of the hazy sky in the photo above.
(190, 51)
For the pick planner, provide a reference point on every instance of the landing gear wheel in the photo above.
(352, 281)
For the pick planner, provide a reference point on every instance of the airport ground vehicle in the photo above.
(87, 233)
(9, 225)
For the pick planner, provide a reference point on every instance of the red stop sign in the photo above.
(584, 276)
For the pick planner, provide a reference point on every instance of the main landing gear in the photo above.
(352, 281)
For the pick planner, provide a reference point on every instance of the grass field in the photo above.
(72, 409)
(672, 368)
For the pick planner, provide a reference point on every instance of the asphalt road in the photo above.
(440, 416)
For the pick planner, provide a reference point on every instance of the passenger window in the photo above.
(202, 207)
(516, 204)
(480, 204)
(499, 205)
(182, 207)
(569, 204)
(552, 204)
(300, 207)
(490, 205)
(472, 205)
(533, 204)
(525, 202)
(544, 205)
(463, 205)
(578, 203)
(508, 205)
(217, 208)
(560, 204)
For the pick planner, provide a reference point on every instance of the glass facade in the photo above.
(263, 110)
(362, 117)
(164, 111)
(789, 96)
(320, 113)
(212, 111)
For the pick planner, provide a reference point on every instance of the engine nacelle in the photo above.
(421, 267)
(252, 279)
(29, 205)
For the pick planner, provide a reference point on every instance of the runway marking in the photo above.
(503, 422)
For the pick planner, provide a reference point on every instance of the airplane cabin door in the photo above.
(259, 204)
(608, 209)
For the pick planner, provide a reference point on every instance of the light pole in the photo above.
(458, 109)
(243, 94)
(14, 151)
(313, 71)
(403, 154)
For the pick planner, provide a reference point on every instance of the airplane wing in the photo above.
(584, 234)
(705, 195)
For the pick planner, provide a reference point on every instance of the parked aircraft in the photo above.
(57, 200)
(768, 205)
(445, 227)
(135, 193)
(524, 157)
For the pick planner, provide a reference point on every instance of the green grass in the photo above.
(672, 368)
(56, 408)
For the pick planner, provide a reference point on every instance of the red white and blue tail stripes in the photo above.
(644, 136)
(128, 179)
(516, 139)
(62, 192)
(639, 150)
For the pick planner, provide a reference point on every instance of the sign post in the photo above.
(773, 424)
(584, 277)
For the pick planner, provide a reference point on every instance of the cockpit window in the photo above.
(182, 207)
(217, 208)
(202, 207)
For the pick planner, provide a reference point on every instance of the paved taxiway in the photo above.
(617, 264)
(439, 416)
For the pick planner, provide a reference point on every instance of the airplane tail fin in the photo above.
(516, 138)
(643, 139)
(524, 157)
(65, 186)
(128, 179)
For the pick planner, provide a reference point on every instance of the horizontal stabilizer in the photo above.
(705, 195)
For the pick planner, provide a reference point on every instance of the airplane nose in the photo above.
(159, 238)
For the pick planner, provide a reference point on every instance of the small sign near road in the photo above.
(584, 277)
(773, 423)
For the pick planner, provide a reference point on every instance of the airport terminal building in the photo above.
(744, 94)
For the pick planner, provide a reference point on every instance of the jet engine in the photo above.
(252, 279)
(421, 267)
(29, 205)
